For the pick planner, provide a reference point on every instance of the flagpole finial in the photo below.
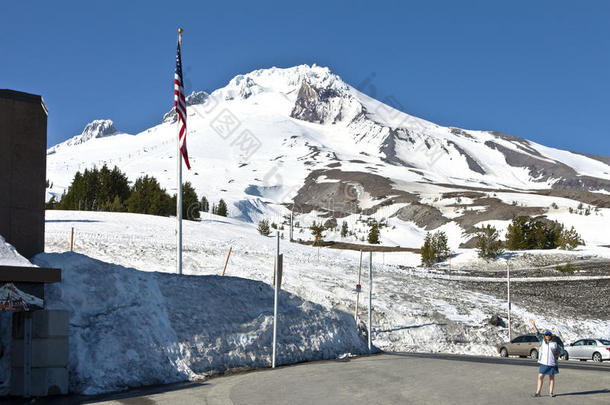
(180, 30)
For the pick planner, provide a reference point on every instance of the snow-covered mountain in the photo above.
(302, 139)
(95, 129)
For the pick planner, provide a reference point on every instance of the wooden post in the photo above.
(72, 240)
(227, 261)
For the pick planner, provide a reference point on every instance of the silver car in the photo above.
(588, 349)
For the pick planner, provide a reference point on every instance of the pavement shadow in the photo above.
(132, 396)
(593, 392)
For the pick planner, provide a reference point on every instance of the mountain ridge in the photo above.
(314, 133)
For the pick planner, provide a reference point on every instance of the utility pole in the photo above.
(370, 298)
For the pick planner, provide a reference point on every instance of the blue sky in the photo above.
(536, 69)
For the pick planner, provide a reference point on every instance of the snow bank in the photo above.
(130, 328)
(9, 255)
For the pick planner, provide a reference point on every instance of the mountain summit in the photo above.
(94, 129)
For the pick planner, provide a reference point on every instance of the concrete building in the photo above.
(23, 144)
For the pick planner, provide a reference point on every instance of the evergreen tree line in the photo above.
(109, 190)
(534, 233)
(523, 233)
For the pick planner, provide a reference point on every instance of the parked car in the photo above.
(589, 349)
(523, 346)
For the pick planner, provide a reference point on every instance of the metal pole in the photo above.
(357, 291)
(179, 188)
(508, 297)
(370, 298)
(291, 239)
(277, 278)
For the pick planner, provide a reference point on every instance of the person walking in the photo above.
(547, 358)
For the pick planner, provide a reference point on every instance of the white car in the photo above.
(588, 349)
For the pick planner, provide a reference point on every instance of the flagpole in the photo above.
(179, 188)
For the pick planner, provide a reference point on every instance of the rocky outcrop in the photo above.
(425, 216)
(340, 193)
(324, 105)
(195, 98)
(93, 130)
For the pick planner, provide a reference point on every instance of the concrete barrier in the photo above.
(40, 353)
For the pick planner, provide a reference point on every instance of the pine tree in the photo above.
(317, 230)
(117, 205)
(205, 205)
(222, 208)
(435, 248)
(489, 245)
(147, 197)
(95, 190)
(427, 253)
(569, 239)
(190, 202)
(440, 244)
(531, 233)
(373, 237)
(344, 229)
(516, 234)
(263, 227)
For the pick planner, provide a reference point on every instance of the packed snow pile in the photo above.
(130, 328)
(9, 255)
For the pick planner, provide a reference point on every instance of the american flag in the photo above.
(180, 105)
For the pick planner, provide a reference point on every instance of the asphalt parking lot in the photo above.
(396, 378)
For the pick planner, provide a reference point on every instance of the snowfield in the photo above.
(120, 289)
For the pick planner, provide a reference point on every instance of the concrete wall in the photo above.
(48, 357)
(23, 144)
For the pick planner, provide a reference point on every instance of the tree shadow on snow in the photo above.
(71, 220)
(410, 327)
